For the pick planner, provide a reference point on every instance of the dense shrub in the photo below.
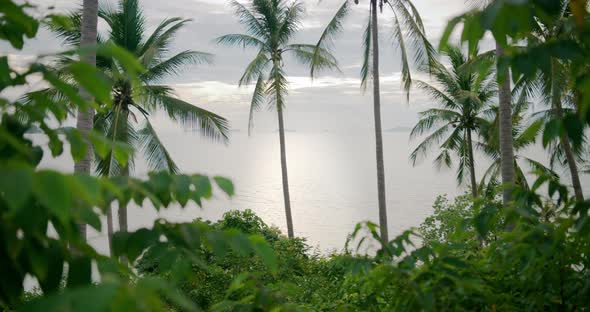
(462, 258)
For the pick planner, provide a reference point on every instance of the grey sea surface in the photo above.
(332, 179)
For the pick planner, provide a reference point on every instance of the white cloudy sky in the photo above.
(333, 102)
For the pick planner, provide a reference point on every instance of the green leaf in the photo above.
(203, 188)
(92, 80)
(15, 185)
(89, 189)
(182, 190)
(552, 131)
(95, 298)
(139, 241)
(264, 251)
(225, 185)
(126, 59)
(5, 79)
(51, 188)
(120, 243)
(55, 264)
(100, 143)
(88, 216)
(122, 152)
(78, 146)
(79, 272)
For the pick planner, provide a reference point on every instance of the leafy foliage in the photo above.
(463, 98)
(145, 95)
(471, 254)
(40, 209)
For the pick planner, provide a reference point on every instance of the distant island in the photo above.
(398, 129)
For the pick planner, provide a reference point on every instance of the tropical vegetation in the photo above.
(520, 240)
(128, 120)
(464, 99)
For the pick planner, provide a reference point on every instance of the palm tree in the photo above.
(553, 88)
(562, 152)
(84, 121)
(126, 28)
(408, 29)
(271, 25)
(463, 97)
(505, 120)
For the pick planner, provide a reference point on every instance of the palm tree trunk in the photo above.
(471, 164)
(123, 212)
(378, 133)
(110, 229)
(573, 167)
(506, 140)
(564, 140)
(286, 196)
(85, 118)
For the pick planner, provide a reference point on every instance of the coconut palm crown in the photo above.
(133, 102)
(463, 94)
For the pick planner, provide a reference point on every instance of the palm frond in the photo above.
(432, 118)
(424, 52)
(436, 94)
(150, 96)
(421, 151)
(69, 33)
(155, 153)
(253, 24)
(277, 88)
(255, 68)
(291, 22)
(210, 125)
(117, 128)
(257, 100)
(317, 59)
(406, 74)
(444, 159)
(326, 41)
(127, 25)
(490, 177)
(175, 64)
(241, 39)
(366, 67)
(160, 38)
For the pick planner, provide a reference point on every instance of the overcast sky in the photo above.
(333, 102)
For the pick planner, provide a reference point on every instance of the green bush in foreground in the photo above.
(467, 261)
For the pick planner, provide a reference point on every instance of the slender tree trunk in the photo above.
(378, 133)
(286, 196)
(573, 167)
(506, 140)
(85, 118)
(471, 164)
(564, 140)
(110, 229)
(123, 212)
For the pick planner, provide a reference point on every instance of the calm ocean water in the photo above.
(332, 180)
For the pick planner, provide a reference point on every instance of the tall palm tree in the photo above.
(553, 88)
(84, 122)
(271, 25)
(121, 122)
(408, 29)
(562, 152)
(464, 96)
(505, 118)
